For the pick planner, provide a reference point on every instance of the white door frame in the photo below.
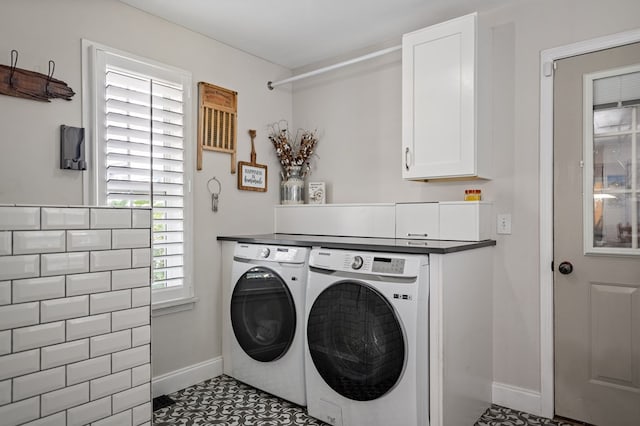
(547, 57)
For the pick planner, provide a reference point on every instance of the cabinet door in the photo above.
(417, 221)
(438, 111)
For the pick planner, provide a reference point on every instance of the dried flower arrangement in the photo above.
(293, 151)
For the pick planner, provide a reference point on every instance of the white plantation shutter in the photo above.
(141, 159)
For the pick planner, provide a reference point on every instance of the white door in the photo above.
(596, 254)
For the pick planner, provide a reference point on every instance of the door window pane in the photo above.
(611, 120)
(613, 221)
(612, 152)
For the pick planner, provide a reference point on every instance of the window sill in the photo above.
(173, 306)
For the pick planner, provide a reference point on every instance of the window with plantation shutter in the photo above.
(141, 158)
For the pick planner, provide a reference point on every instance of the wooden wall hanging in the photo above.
(32, 85)
(252, 176)
(217, 121)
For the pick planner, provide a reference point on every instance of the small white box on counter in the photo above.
(465, 220)
(418, 221)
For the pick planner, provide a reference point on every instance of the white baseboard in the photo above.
(185, 377)
(520, 399)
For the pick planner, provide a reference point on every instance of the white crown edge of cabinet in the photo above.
(454, 220)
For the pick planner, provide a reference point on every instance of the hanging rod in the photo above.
(271, 84)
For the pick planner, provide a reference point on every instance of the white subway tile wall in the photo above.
(130, 278)
(131, 238)
(58, 419)
(37, 336)
(108, 260)
(5, 243)
(140, 258)
(5, 293)
(5, 392)
(65, 353)
(110, 218)
(75, 316)
(141, 219)
(12, 267)
(120, 419)
(95, 282)
(112, 342)
(38, 289)
(27, 242)
(5, 342)
(89, 240)
(64, 263)
(65, 218)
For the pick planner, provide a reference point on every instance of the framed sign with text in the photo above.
(252, 177)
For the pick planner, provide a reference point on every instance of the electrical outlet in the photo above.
(503, 225)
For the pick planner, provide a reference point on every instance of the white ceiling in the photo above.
(295, 33)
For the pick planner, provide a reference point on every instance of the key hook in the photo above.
(14, 64)
(214, 194)
(52, 69)
(219, 186)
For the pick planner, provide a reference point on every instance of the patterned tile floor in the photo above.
(226, 402)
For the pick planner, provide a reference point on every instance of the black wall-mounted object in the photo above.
(72, 148)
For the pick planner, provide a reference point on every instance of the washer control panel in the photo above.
(385, 264)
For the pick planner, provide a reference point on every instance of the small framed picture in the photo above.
(252, 177)
(317, 193)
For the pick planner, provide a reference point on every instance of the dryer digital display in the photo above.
(388, 265)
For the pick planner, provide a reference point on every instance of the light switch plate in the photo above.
(503, 224)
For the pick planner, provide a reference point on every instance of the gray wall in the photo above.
(41, 30)
(358, 110)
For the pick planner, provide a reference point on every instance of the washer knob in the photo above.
(357, 262)
(265, 252)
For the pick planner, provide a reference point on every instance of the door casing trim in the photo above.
(547, 57)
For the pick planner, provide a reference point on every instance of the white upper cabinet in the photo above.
(439, 100)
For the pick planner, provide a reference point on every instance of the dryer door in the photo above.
(356, 341)
(263, 314)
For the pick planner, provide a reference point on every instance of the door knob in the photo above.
(565, 268)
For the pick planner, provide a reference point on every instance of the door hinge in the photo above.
(581, 164)
(547, 68)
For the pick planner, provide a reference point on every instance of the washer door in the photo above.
(356, 341)
(263, 315)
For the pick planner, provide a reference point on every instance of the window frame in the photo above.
(94, 60)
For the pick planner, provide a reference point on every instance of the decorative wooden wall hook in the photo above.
(25, 84)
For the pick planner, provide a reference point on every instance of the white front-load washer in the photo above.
(266, 319)
(366, 353)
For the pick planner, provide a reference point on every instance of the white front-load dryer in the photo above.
(266, 319)
(366, 353)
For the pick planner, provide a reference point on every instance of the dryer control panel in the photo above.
(280, 254)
